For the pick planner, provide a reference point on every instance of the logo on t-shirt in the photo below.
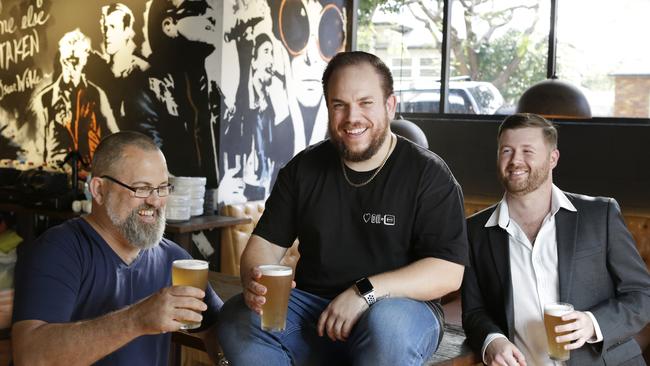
(386, 219)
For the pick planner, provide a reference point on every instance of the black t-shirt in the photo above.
(412, 209)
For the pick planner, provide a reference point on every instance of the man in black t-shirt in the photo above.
(382, 236)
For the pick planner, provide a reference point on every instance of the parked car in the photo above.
(466, 97)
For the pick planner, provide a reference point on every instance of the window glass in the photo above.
(601, 50)
(498, 49)
(409, 43)
(401, 68)
(428, 68)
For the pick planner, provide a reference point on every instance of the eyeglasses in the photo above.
(146, 191)
(295, 29)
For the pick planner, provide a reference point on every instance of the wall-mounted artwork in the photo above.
(276, 52)
(229, 89)
(74, 71)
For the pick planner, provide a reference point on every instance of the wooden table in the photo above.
(453, 351)
(181, 232)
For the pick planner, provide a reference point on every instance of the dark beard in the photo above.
(364, 155)
(141, 235)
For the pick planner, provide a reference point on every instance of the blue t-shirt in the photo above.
(70, 273)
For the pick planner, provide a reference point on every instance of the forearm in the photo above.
(79, 343)
(425, 279)
(259, 251)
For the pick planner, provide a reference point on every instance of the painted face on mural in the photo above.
(74, 48)
(262, 63)
(116, 31)
(313, 34)
(196, 20)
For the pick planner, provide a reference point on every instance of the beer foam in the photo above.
(557, 309)
(193, 264)
(275, 270)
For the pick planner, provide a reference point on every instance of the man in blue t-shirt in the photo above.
(382, 236)
(97, 289)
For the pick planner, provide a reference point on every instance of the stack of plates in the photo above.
(178, 207)
(194, 190)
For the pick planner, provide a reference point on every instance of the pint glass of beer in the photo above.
(277, 280)
(553, 313)
(190, 272)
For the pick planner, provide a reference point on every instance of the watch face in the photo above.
(364, 286)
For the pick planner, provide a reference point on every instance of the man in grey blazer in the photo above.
(540, 245)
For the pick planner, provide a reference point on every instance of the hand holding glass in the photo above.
(277, 280)
(190, 272)
(553, 313)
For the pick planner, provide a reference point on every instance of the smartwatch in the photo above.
(365, 289)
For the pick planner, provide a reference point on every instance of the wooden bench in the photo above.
(452, 351)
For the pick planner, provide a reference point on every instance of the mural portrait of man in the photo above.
(117, 68)
(313, 32)
(117, 28)
(278, 107)
(159, 67)
(73, 113)
(178, 105)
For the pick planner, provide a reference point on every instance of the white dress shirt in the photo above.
(534, 277)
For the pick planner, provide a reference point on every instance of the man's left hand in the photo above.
(340, 316)
(582, 329)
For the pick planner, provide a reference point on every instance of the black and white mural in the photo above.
(229, 89)
(273, 96)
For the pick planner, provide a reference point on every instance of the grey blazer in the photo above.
(599, 267)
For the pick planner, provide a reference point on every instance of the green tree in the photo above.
(497, 57)
(484, 47)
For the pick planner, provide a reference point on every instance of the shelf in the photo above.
(198, 223)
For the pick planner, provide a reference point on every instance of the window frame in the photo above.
(445, 55)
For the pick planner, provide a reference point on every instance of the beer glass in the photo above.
(277, 280)
(553, 313)
(190, 272)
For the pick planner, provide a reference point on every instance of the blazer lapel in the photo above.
(566, 226)
(499, 245)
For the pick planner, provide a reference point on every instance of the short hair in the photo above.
(165, 54)
(127, 18)
(523, 120)
(109, 152)
(163, 48)
(260, 40)
(75, 39)
(353, 58)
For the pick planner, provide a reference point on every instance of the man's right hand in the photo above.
(501, 352)
(165, 310)
(254, 291)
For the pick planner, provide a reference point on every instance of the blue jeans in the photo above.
(394, 331)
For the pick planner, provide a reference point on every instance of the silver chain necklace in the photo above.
(357, 185)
